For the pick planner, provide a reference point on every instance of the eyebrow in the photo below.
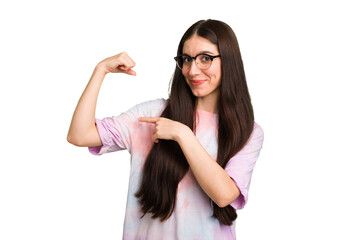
(202, 52)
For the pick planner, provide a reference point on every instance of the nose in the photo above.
(193, 70)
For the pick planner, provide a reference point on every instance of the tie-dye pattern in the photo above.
(192, 217)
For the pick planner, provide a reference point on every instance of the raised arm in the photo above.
(83, 131)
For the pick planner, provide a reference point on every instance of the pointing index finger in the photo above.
(148, 119)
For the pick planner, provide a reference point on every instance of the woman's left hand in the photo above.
(165, 128)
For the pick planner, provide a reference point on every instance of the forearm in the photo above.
(212, 178)
(84, 115)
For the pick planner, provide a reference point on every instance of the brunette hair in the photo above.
(166, 164)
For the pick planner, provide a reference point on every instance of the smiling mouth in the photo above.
(197, 82)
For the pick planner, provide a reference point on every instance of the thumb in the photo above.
(131, 72)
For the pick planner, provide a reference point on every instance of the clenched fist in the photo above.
(120, 63)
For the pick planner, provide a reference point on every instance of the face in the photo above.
(203, 83)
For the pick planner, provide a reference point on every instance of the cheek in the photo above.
(216, 76)
(186, 77)
(184, 74)
(218, 70)
(219, 78)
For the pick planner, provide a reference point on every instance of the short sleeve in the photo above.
(241, 166)
(115, 132)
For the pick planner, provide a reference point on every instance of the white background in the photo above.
(302, 65)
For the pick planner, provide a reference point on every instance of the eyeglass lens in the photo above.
(202, 61)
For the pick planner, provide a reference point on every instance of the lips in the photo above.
(197, 82)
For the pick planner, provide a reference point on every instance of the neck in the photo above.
(208, 104)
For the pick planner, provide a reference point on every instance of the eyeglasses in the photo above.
(203, 61)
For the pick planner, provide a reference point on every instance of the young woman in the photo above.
(192, 155)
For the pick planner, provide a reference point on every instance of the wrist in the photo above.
(101, 68)
(98, 75)
(184, 133)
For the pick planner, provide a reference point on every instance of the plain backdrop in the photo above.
(302, 65)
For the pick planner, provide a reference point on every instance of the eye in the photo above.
(186, 59)
(205, 58)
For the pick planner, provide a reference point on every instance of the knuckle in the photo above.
(122, 55)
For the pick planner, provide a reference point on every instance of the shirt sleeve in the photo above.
(241, 166)
(116, 132)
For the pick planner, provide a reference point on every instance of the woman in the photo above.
(193, 154)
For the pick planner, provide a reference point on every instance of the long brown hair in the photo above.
(166, 164)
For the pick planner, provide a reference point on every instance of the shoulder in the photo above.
(257, 132)
(150, 108)
(159, 103)
(256, 137)
(255, 141)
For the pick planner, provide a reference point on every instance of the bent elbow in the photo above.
(74, 141)
(70, 139)
(226, 200)
(223, 203)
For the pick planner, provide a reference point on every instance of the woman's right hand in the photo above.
(120, 63)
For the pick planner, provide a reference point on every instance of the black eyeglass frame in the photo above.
(182, 55)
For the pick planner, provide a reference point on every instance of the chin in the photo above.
(198, 94)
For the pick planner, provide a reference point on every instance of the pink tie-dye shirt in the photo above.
(192, 217)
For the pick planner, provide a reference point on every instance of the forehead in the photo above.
(196, 44)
